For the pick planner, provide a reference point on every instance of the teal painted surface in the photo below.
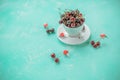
(25, 47)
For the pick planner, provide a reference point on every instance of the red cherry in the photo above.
(53, 55)
(80, 14)
(56, 60)
(65, 52)
(68, 14)
(103, 35)
(98, 43)
(92, 42)
(73, 25)
(72, 19)
(45, 25)
(69, 25)
(95, 46)
(60, 22)
(83, 20)
(62, 34)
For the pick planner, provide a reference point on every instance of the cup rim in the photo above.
(73, 27)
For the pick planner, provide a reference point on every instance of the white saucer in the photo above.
(84, 36)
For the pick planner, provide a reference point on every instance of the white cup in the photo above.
(73, 32)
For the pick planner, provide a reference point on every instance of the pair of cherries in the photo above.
(53, 55)
(52, 30)
(55, 59)
(95, 44)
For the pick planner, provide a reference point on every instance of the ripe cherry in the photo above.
(95, 46)
(53, 55)
(65, 52)
(62, 34)
(45, 25)
(92, 42)
(57, 60)
(98, 43)
(103, 35)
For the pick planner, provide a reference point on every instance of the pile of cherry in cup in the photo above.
(72, 18)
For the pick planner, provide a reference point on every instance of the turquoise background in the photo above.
(25, 47)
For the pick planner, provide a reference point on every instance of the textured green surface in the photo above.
(25, 47)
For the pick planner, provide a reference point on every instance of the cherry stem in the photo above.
(103, 38)
(99, 39)
(106, 37)
(60, 10)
